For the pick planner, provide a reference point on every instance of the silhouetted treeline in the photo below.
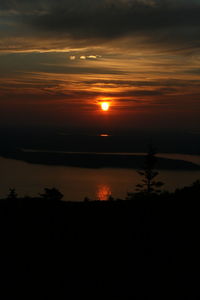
(53, 194)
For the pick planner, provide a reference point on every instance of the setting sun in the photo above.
(105, 106)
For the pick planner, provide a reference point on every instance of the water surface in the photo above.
(78, 183)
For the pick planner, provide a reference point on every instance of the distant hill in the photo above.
(63, 139)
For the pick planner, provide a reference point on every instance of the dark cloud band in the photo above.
(163, 21)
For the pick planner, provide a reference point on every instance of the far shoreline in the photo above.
(96, 160)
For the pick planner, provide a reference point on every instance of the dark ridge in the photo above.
(63, 139)
(142, 249)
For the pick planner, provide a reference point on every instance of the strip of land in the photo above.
(94, 160)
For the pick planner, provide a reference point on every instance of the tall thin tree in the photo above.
(149, 184)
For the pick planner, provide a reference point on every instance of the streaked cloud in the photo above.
(62, 56)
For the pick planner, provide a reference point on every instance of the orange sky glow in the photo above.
(147, 72)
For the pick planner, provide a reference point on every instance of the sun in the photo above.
(105, 106)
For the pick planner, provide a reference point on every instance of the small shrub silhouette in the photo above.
(12, 194)
(52, 194)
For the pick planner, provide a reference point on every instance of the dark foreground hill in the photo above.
(142, 249)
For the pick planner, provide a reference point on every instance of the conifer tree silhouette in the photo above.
(148, 173)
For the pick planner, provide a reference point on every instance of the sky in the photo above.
(60, 59)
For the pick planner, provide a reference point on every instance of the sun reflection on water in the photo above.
(103, 192)
(104, 135)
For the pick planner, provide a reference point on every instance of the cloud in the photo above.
(72, 57)
(148, 83)
(174, 23)
(195, 71)
(92, 57)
